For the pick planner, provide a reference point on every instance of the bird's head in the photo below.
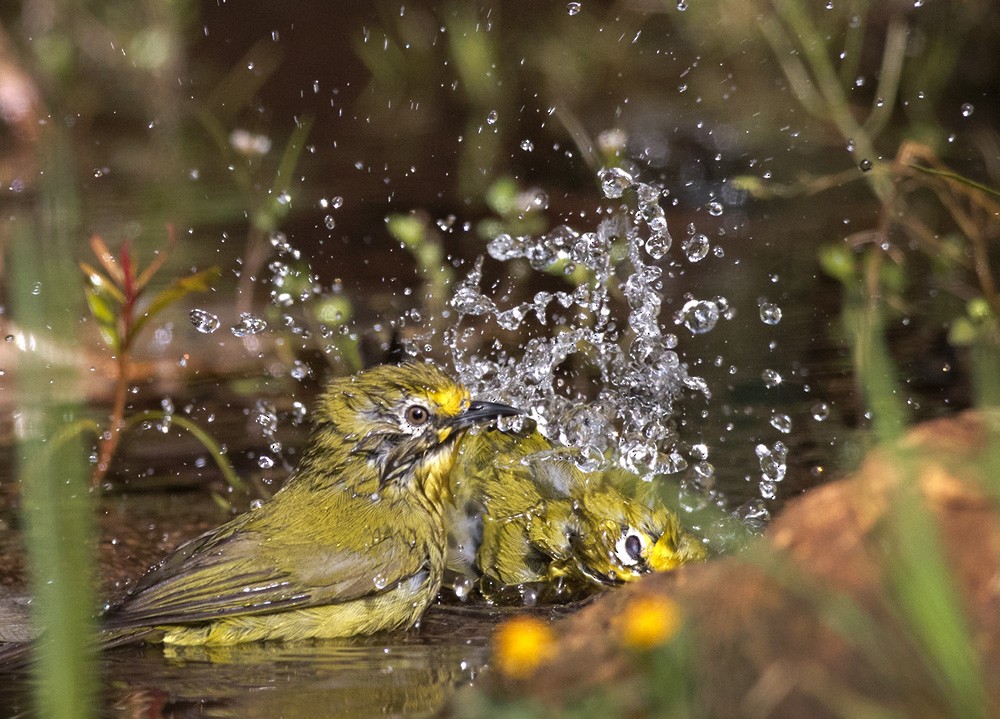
(622, 538)
(402, 421)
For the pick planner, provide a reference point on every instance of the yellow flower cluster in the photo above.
(650, 621)
(521, 644)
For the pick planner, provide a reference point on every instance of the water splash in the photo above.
(596, 367)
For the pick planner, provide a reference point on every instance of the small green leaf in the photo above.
(502, 197)
(107, 260)
(979, 309)
(962, 333)
(335, 310)
(754, 185)
(838, 262)
(408, 229)
(104, 311)
(98, 281)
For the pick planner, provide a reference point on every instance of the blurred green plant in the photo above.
(118, 301)
(875, 270)
(418, 236)
(516, 211)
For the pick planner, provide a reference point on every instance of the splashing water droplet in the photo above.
(614, 182)
(658, 244)
(772, 461)
(248, 325)
(770, 314)
(820, 411)
(771, 378)
(696, 247)
(204, 321)
(753, 513)
(699, 316)
(462, 587)
(781, 422)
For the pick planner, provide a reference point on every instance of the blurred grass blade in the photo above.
(922, 584)
(47, 293)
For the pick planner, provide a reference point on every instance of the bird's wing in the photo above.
(235, 571)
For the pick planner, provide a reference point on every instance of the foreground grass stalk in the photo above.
(56, 501)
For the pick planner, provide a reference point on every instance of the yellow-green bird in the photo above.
(523, 515)
(354, 543)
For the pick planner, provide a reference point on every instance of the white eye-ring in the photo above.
(630, 547)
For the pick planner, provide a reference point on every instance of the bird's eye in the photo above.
(417, 415)
(633, 545)
(629, 547)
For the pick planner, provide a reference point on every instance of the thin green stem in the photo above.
(198, 433)
(888, 79)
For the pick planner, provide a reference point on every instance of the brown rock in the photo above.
(804, 623)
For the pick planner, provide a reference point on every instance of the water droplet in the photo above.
(573, 8)
(491, 118)
(682, 5)
(771, 378)
(329, 222)
(770, 314)
(753, 514)
(658, 244)
(772, 461)
(380, 581)
(865, 165)
(850, 145)
(781, 422)
(529, 595)
(462, 587)
(820, 411)
(265, 462)
(248, 325)
(36, 289)
(696, 247)
(204, 321)
(715, 208)
(300, 370)
(699, 316)
(527, 145)
(614, 181)
(967, 109)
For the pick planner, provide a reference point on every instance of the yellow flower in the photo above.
(650, 621)
(521, 644)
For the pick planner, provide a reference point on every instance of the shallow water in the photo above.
(364, 150)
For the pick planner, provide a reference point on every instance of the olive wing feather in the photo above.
(235, 570)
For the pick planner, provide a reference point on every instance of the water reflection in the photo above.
(400, 674)
(303, 679)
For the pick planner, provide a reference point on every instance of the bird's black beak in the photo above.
(483, 412)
